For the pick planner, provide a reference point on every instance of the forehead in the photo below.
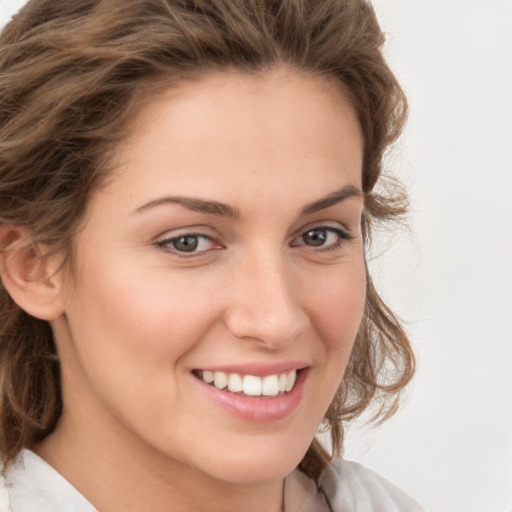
(230, 125)
(257, 99)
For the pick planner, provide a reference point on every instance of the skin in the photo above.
(136, 318)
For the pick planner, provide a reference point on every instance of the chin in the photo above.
(260, 463)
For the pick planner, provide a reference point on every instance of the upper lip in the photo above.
(258, 369)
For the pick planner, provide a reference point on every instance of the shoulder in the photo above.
(350, 486)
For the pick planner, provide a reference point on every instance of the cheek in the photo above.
(141, 320)
(336, 309)
(128, 338)
(339, 307)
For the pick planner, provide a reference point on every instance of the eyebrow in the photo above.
(336, 197)
(224, 210)
(194, 204)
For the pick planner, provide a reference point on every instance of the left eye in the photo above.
(325, 237)
(187, 243)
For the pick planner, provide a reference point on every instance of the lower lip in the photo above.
(259, 409)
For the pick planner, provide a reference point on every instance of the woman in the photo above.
(187, 191)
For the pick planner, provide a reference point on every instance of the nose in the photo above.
(265, 303)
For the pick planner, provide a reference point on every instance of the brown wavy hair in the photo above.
(71, 77)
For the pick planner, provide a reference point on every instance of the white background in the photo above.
(450, 276)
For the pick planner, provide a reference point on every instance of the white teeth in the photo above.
(251, 385)
(270, 385)
(235, 383)
(282, 383)
(290, 380)
(208, 377)
(220, 380)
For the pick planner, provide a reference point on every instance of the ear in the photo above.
(25, 274)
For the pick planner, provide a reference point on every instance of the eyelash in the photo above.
(168, 244)
(342, 237)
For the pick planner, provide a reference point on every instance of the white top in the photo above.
(33, 485)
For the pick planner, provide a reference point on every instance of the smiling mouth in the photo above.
(249, 385)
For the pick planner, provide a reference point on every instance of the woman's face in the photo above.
(226, 246)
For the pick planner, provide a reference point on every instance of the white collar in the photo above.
(34, 485)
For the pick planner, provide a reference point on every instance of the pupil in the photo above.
(186, 243)
(315, 237)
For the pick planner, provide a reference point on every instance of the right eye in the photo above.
(187, 244)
